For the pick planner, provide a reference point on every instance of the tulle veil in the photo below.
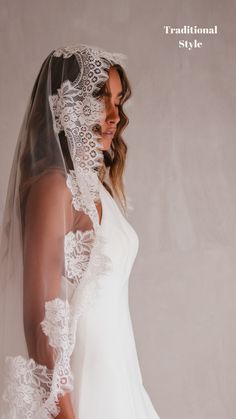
(54, 183)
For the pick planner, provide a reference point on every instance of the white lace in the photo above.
(85, 259)
(77, 247)
(74, 108)
(84, 188)
(32, 390)
(76, 111)
(99, 266)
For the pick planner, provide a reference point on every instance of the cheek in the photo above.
(103, 117)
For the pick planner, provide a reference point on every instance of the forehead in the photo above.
(114, 82)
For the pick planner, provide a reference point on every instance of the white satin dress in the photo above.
(107, 377)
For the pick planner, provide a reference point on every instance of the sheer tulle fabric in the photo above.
(51, 231)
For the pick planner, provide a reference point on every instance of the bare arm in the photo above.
(66, 409)
(46, 220)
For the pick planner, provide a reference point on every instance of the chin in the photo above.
(106, 145)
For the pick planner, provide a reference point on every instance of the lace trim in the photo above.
(86, 259)
(67, 51)
(76, 110)
(84, 188)
(27, 388)
(77, 248)
(32, 390)
(99, 266)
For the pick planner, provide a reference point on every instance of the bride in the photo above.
(67, 249)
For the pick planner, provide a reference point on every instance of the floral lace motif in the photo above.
(76, 110)
(68, 51)
(86, 261)
(27, 388)
(32, 390)
(74, 107)
(99, 266)
(84, 188)
(77, 247)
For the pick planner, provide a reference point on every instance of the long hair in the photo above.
(115, 159)
(36, 155)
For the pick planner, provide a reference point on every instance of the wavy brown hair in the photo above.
(114, 160)
(39, 156)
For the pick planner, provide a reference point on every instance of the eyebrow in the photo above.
(107, 93)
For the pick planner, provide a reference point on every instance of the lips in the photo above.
(109, 132)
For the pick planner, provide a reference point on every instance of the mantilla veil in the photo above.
(57, 152)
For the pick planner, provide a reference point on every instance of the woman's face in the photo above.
(111, 97)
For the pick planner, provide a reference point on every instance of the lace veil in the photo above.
(51, 244)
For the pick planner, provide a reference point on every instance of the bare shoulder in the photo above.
(49, 203)
(51, 186)
(49, 195)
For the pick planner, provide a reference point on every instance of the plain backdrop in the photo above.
(180, 176)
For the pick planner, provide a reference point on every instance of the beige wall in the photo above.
(181, 175)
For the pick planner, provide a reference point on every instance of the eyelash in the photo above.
(101, 97)
(105, 94)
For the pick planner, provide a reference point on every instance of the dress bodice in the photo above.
(121, 240)
(120, 244)
(108, 379)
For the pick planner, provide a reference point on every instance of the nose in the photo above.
(112, 114)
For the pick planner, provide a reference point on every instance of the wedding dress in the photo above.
(65, 323)
(107, 377)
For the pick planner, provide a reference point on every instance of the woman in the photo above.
(67, 249)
